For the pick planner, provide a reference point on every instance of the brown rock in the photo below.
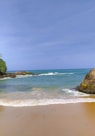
(22, 73)
(13, 75)
(88, 84)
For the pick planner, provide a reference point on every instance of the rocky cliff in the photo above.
(88, 84)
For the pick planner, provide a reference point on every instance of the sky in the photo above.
(47, 34)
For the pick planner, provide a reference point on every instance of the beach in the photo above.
(46, 104)
(76, 119)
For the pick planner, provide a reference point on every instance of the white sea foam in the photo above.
(23, 76)
(44, 74)
(18, 76)
(54, 73)
(34, 102)
(74, 92)
(5, 78)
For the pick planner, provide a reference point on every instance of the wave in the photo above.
(44, 74)
(41, 102)
(5, 78)
(54, 73)
(74, 92)
(23, 76)
(18, 76)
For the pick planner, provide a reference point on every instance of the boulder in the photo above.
(12, 75)
(88, 84)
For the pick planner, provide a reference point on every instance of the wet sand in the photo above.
(52, 120)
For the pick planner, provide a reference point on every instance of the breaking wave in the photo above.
(74, 92)
(55, 73)
(44, 74)
(38, 97)
(34, 102)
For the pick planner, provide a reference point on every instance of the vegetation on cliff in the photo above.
(3, 67)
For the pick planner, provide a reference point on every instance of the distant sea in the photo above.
(44, 88)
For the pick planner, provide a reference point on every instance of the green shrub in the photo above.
(3, 67)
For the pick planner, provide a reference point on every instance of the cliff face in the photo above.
(88, 84)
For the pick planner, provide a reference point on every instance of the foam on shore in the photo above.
(35, 102)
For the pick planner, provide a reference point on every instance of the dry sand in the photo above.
(52, 120)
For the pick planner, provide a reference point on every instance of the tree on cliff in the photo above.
(3, 67)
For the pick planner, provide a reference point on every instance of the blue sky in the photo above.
(47, 34)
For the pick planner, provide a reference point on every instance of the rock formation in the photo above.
(88, 84)
(3, 69)
(13, 75)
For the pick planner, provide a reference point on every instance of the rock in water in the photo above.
(88, 84)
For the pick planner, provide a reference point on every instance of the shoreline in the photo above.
(45, 102)
(61, 119)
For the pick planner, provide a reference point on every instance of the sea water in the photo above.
(43, 88)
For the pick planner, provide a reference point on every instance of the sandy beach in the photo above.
(51, 120)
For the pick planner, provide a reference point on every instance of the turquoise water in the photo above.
(46, 87)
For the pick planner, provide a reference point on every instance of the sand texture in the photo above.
(52, 120)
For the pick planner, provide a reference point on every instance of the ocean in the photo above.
(44, 88)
